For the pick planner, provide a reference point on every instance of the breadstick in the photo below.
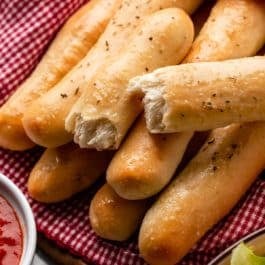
(71, 44)
(253, 11)
(114, 218)
(203, 96)
(62, 172)
(203, 193)
(49, 129)
(144, 164)
(227, 30)
(103, 114)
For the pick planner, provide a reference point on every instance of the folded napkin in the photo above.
(26, 28)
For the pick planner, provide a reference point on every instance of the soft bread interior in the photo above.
(155, 107)
(99, 133)
(150, 87)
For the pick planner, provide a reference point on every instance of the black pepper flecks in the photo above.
(107, 45)
(76, 90)
(63, 95)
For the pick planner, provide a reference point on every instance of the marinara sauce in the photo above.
(11, 236)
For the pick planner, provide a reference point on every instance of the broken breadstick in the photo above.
(203, 96)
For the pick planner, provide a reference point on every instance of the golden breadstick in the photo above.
(61, 172)
(203, 96)
(253, 11)
(228, 30)
(144, 164)
(49, 129)
(103, 114)
(114, 218)
(203, 193)
(71, 44)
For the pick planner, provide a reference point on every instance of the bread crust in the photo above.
(64, 171)
(114, 218)
(226, 32)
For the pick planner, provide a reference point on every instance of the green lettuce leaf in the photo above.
(242, 255)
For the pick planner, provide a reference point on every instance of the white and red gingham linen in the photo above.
(26, 27)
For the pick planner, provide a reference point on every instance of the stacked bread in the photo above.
(114, 60)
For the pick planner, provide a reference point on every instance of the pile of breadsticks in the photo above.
(98, 76)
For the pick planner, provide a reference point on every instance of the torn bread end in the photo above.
(155, 107)
(98, 134)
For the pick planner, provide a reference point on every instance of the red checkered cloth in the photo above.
(26, 28)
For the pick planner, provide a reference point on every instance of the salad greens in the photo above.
(243, 255)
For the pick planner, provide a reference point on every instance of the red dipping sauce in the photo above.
(11, 236)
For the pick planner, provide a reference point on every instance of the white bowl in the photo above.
(21, 206)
